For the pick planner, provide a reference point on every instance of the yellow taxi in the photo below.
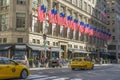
(81, 63)
(11, 69)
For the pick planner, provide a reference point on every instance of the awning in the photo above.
(80, 51)
(20, 47)
(36, 48)
(94, 52)
(56, 49)
(105, 53)
(5, 47)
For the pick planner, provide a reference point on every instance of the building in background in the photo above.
(113, 9)
(22, 33)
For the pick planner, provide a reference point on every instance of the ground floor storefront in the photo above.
(40, 54)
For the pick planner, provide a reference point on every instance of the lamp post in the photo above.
(45, 25)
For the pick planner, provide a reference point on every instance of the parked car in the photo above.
(10, 69)
(81, 63)
(22, 59)
(55, 63)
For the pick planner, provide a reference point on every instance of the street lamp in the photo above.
(45, 25)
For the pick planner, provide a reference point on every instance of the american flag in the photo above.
(41, 13)
(104, 13)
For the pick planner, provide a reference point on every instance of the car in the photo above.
(22, 59)
(10, 69)
(81, 63)
(55, 63)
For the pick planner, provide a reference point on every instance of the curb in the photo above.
(67, 67)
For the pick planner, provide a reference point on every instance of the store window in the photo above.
(20, 20)
(21, 2)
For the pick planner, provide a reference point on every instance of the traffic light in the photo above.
(44, 36)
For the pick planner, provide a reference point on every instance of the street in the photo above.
(109, 72)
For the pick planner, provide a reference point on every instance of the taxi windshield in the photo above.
(18, 57)
(77, 59)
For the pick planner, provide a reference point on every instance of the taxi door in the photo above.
(5, 71)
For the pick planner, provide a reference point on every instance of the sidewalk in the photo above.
(66, 66)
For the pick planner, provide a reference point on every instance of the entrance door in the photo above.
(64, 55)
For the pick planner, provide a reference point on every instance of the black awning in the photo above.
(105, 53)
(20, 47)
(5, 47)
(36, 48)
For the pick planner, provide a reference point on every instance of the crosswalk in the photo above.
(47, 77)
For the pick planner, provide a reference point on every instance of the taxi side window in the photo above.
(2, 62)
(88, 59)
(9, 62)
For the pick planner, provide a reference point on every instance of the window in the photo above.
(20, 20)
(69, 0)
(74, 2)
(113, 30)
(85, 6)
(93, 1)
(54, 5)
(53, 43)
(111, 47)
(3, 22)
(34, 3)
(112, 22)
(80, 4)
(56, 43)
(38, 41)
(0, 40)
(89, 9)
(45, 2)
(21, 2)
(113, 37)
(4, 40)
(35, 25)
(4, 2)
(113, 10)
(48, 42)
(34, 41)
(20, 40)
(70, 45)
(61, 9)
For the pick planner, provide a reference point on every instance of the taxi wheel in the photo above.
(73, 68)
(24, 74)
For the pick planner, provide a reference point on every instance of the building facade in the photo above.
(113, 9)
(22, 33)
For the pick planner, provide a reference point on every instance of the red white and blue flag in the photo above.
(87, 28)
(41, 13)
(82, 28)
(104, 13)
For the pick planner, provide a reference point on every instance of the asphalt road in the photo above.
(110, 72)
